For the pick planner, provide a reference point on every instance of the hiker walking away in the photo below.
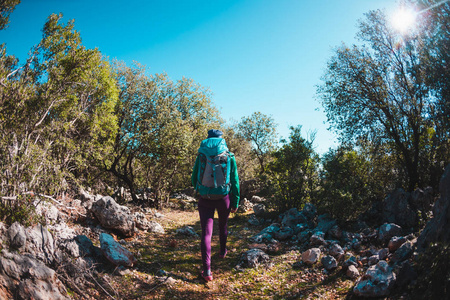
(215, 178)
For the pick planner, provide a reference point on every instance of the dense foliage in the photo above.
(436, 53)
(261, 131)
(70, 118)
(248, 166)
(345, 182)
(377, 93)
(372, 93)
(293, 172)
(161, 125)
(56, 113)
(6, 7)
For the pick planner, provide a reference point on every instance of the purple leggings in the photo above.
(206, 210)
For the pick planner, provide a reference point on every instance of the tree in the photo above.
(377, 93)
(260, 130)
(436, 53)
(75, 99)
(293, 173)
(345, 182)
(56, 113)
(183, 113)
(242, 150)
(6, 8)
(161, 125)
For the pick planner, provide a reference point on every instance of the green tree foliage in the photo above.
(377, 93)
(56, 113)
(80, 96)
(293, 172)
(261, 131)
(161, 125)
(345, 181)
(6, 8)
(436, 53)
(242, 149)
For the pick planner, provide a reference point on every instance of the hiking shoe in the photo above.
(224, 254)
(206, 278)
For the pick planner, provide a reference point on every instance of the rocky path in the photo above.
(94, 248)
(170, 264)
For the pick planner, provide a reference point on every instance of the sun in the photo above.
(403, 19)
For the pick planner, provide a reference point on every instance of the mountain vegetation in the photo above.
(71, 119)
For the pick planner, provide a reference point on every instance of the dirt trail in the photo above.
(169, 266)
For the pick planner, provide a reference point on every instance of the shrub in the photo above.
(345, 184)
(18, 209)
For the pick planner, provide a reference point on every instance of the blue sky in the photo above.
(254, 55)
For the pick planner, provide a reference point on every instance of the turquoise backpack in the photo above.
(213, 181)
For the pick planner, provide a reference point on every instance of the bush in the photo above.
(345, 185)
(18, 209)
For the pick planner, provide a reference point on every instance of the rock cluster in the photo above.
(34, 258)
(371, 257)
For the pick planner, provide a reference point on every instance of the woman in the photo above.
(215, 177)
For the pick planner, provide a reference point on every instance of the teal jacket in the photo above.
(234, 179)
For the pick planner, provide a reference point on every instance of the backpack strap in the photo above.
(214, 174)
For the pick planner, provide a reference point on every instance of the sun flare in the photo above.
(403, 19)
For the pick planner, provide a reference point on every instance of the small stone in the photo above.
(351, 261)
(337, 251)
(383, 253)
(373, 260)
(403, 253)
(352, 272)
(159, 215)
(311, 256)
(329, 262)
(395, 243)
(317, 238)
(257, 199)
(377, 281)
(188, 231)
(335, 232)
(387, 231)
(123, 271)
(17, 235)
(170, 281)
(253, 258)
(114, 216)
(259, 209)
(115, 252)
(155, 227)
(309, 211)
(253, 220)
(284, 233)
